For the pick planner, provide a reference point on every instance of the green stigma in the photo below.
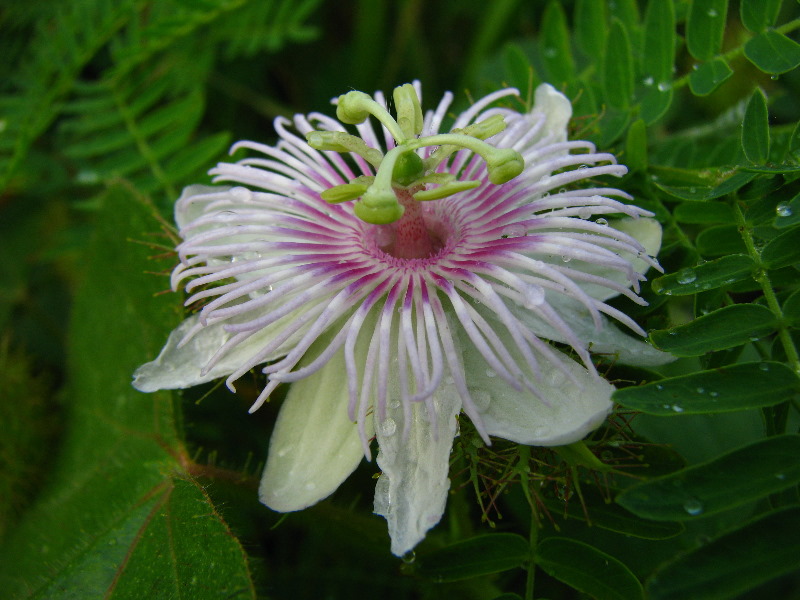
(401, 167)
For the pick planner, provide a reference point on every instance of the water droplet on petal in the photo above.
(310, 486)
(533, 295)
(566, 258)
(490, 373)
(388, 427)
(480, 398)
(686, 276)
(602, 222)
(241, 194)
(585, 212)
(693, 506)
(514, 230)
(783, 210)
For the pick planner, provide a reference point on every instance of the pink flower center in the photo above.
(417, 234)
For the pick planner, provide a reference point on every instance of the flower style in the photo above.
(402, 276)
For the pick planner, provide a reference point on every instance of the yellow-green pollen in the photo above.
(401, 167)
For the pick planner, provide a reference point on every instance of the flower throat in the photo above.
(403, 179)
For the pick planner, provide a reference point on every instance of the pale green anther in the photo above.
(486, 128)
(354, 108)
(408, 109)
(504, 164)
(344, 193)
(379, 207)
(443, 191)
(482, 130)
(338, 141)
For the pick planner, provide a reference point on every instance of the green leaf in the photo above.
(706, 184)
(783, 250)
(587, 569)
(733, 479)
(773, 52)
(707, 276)
(716, 241)
(555, 45)
(791, 308)
(731, 388)
(658, 59)
(120, 476)
(590, 27)
(703, 213)
(724, 328)
(618, 67)
(708, 76)
(481, 555)
(636, 147)
(755, 129)
(519, 72)
(757, 15)
(733, 563)
(705, 27)
(600, 513)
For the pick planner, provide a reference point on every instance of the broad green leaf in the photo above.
(587, 569)
(705, 27)
(783, 250)
(726, 389)
(481, 555)
(555, 45)
(733, 563)
(658, 59)
(733, 479)
(615, 518)
(707, 276)
(590, 27)
(659, 41)
(724, 328)
(618, 67)
(755, 129)
(791, 308)
(703, 213)
(773, 52)
(518, 68)
(706, 184)
(636, 147)
(612, 125)
(708, 76)
(757, 15)
(121, 462)
(720, 240)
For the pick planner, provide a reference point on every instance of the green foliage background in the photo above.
(108, 108)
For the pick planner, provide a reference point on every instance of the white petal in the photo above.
(565, 413)
(186, 210)
(609, 340)
(314, 446)
(557, 108)
(412, 490)
(646, 231)
(179, 367)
